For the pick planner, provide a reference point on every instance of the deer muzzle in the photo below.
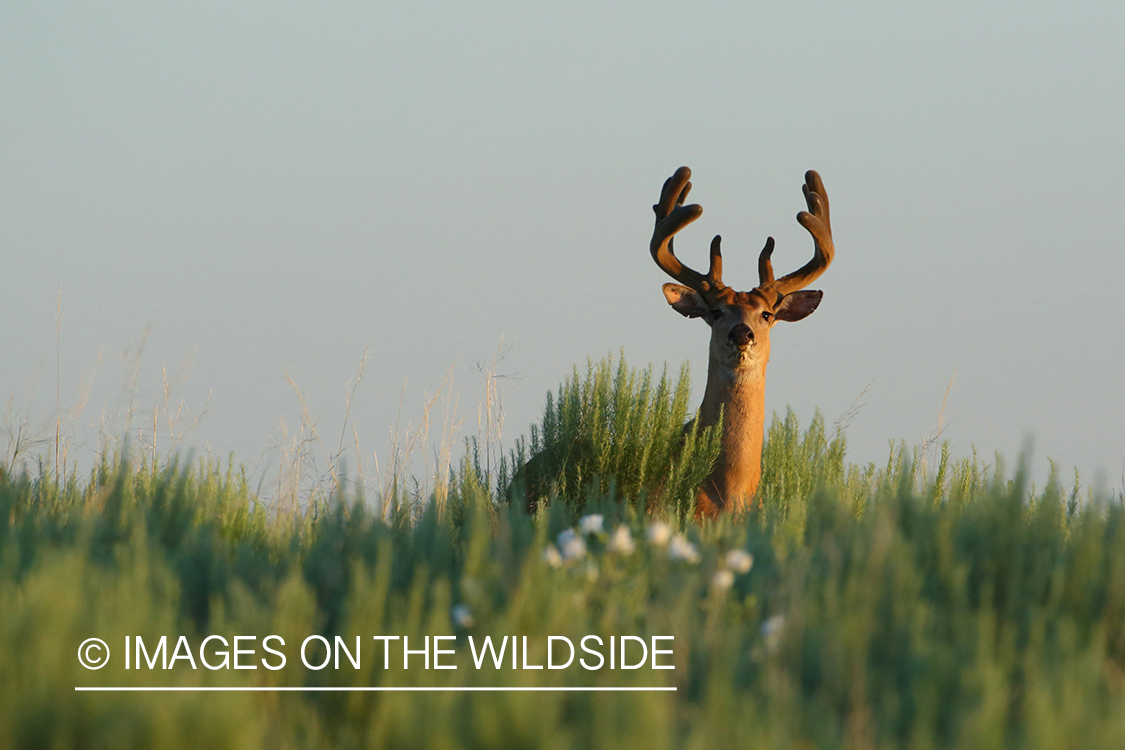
(741, 335)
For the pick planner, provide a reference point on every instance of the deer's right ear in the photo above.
(685, 301)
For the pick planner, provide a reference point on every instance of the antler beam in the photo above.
(816, 221)
(672, 216)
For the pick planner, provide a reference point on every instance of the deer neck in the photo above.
(739, 395)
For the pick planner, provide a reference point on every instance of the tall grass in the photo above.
(618, 432)
(912, 604)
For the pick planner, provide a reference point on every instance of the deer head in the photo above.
(740, 329)
(740, 321)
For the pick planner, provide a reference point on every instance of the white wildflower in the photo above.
(658, 533)
(571, 545)
(462, 616)
(591, 524)
(722, 580)
(622, 541)
(772, 630)
(551, 556)
(679, 548)
(739, 560)
(773, 625)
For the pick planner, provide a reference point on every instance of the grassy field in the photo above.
(927, 602)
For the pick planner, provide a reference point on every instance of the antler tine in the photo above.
(813, 184)
(672, 216)
(816, 221)
(765, 268)
(715, 268)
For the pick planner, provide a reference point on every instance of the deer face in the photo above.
(740, 321)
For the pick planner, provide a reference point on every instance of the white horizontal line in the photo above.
(376, 689)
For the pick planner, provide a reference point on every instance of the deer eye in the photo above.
(715, 313)
(767, 316)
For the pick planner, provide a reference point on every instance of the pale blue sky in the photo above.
(272, 187)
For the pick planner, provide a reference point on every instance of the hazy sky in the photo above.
(269, 188)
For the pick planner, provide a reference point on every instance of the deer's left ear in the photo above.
(797, 305)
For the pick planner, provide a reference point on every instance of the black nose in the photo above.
(740, 335)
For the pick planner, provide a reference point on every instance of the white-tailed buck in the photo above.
(740, 333)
